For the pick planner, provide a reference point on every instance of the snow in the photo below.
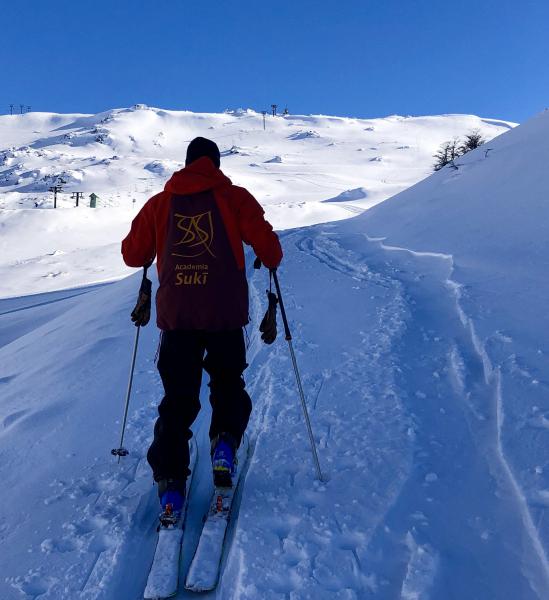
(126, 155)
(420, 331)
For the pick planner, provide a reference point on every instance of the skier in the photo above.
(195, 228)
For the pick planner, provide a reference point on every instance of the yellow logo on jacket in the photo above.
(191, 274)
(198, 235)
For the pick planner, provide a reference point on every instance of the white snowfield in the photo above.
(421, 334)
(303, 169)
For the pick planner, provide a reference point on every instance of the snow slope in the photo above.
(420, 331)
(485, 226)
(126, 155)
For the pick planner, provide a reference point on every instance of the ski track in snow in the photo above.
(309, 526)
(489, 434)
(418, 546)
(407, 413)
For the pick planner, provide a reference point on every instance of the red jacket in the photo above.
(195, 228)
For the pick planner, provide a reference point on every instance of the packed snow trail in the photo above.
(450, 523)
(317, 532)
(88, 524)
(417, 502)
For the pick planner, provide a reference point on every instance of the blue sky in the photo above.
(348, 57)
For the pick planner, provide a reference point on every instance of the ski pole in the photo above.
(297, 376)
(121, 451)
(143, 304)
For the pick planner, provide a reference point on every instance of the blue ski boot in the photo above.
(223, 450)
(172, 499)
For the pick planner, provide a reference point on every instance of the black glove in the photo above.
(141, 314)
(268, 325)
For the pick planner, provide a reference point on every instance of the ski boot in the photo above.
(223, 451)
(172, 499)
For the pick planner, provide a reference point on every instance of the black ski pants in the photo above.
(180, 363)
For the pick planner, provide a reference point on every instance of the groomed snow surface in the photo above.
(421, 332)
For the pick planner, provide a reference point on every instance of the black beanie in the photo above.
(200, 147)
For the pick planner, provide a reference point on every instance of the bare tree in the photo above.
(447, 153)
(472, 140)
(442, 156)
(455, 151)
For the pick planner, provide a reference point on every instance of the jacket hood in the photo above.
(199, 176)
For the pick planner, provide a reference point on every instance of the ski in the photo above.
(164, 574)
(206, 564)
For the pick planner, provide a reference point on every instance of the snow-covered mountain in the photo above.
(304, 170)
(422, 337)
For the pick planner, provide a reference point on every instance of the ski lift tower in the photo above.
(56, 189)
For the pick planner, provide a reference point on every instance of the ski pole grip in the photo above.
(257, 263)
(281, 303)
